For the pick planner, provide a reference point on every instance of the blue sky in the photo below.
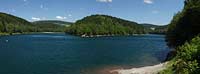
(158, 12)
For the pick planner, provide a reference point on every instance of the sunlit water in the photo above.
(58, 53)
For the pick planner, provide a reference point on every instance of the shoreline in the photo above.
(10, 34)
(111, 35)
(91, 36)
(142, 70)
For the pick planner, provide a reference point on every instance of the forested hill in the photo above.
(13, 24)
(51, 25)
(155, 29)
(104, 25)
(10, 23)
(58, 22)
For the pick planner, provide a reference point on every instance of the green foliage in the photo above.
(187, 60)
(183, 28)
(185, 24)
(54, 22)
(104, 25)
(155, 29)
(51, 25)
(12, 24)
(169, 69)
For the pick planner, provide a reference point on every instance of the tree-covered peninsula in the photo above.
(104, 25)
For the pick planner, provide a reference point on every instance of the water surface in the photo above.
(58, 53)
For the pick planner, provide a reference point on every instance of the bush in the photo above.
(187, 60)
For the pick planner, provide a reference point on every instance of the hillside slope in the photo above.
(10, 24)
(58, 22)
(155, 29)
(51, 25)
(183, 35)
(104, 25)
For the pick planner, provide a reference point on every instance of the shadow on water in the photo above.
(162, 55)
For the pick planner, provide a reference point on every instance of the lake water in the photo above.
(58, 53)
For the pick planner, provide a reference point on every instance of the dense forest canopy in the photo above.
(51, 25)
(183, 35)
(185, 24)
(12, 24)
(54, 22)
(105, 25)
(155, 29)
(90, 25)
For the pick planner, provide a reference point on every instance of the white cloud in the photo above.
(61, 18)
(148, 1)
(36, 18)
(24, 0)
(104, 1)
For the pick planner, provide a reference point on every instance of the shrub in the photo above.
(187, 60)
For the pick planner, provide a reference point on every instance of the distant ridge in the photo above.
(13, 24)
(58, 22)
(155, 29)
(102, 25)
